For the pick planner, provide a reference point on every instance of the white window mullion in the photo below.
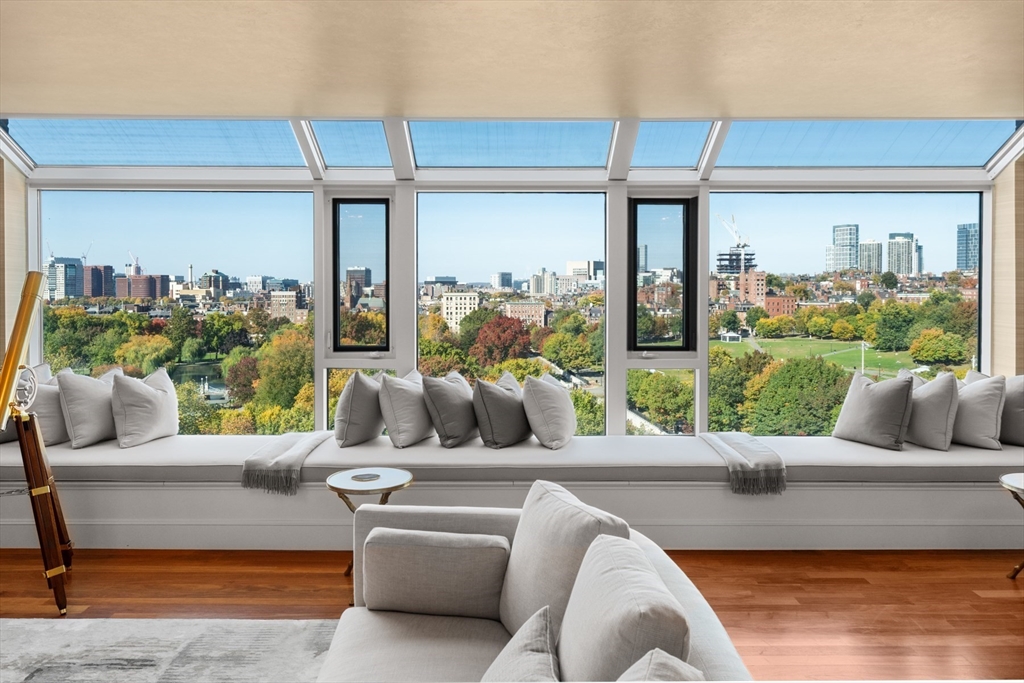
(322, 303)
(616, 267)
(700, 399)
(402, 279)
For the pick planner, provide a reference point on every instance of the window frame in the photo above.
(688, 343)
(336, 203)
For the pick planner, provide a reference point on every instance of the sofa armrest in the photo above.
(460, 520)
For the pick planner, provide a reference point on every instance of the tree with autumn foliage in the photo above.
(499, 339)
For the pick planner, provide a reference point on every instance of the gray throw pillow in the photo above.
(405, 413)
(555, 529)
(979, 415)
(876, 413)
(434, 572)
(87, 404)
(530, 655)
(450, 404)
(46, 406)
(619, 606)
(549, 410)
(357, 418)
(934, 410)
(500, 413)
(144, 409)
(658, 665)
(1012, 429)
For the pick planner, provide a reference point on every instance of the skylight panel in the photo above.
(670, 144)
(863, 143)
(353, 144)
(511, 144)
(154, 142)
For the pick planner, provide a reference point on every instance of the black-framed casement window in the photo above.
(662, 275)
(361, 233)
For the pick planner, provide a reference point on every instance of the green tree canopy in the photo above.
(935, 346)
(889, 280)
(866, 298)
(753, 315)
(843, 330)
(285, 365)
(894, 322)
(589, 413)
(819, 326)
(180, 328)
(801, 396)
(148, 352)
(499, 339)
(470, 326)
(568, 352)
(730, 321)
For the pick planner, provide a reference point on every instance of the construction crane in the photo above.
(136, 269)
(737, 259)
(85, 255)
(730, 225)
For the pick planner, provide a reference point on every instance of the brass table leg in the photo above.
(384, 497)
(1016, 570)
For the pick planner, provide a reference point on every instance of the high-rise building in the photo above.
(830, 258)
(528, 311)
(903, 254)
(360, 275)
(918, 258)
(591, 270)
(65, 278)
(256, 283)
(845, 247)
(543, 282)
(457, 305)
(99, 281)
(967, 246)
(753, 286)
(288, 304)
(214, 280)
(501, 281)
(641, 258)
(870, 258)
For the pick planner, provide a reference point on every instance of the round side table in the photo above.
(367, 481)
(1014, 483)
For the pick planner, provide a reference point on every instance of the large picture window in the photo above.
(807, 288)
(361, 274)
(662, 275)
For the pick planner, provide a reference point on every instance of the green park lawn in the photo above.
(846, 354)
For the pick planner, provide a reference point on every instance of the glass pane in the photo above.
(660, 273)
(361, 274)
(659, 402)
(151, 142)
(487, 307)
(835, 290)
(352, 144)
(670, 144)
(514, 144)
(226, 306)
(863, 143)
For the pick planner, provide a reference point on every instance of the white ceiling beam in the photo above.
(712, 148)
(854, 179)
(490, 177)
(304, 135)
(167, 177)
(13, 152)
(400, 145)
(623, 143)
(1007, 154)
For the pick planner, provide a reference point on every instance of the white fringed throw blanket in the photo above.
(275, 467)
(754, 469)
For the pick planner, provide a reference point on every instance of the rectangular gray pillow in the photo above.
(619, 607)
(500, 413)
(979, 415)
(87, 404)
(934, 410)
(450, 404)
(549, 410)
(144, 409)
(357, 418)
(530, 655)
(405, 413)
(1011, 430)
(434, 572)
(876, 413)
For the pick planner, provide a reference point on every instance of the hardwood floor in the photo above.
(792, 614)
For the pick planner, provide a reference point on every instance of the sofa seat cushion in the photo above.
(394, 646)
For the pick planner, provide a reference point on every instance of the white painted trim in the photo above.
(511, 177)
(402, 280)
(309, 147)
(151, 177)
(322, 303)
(700, 407)
(712, 148)
(985, 283)
(623, 144)
(1006, 154)
(861, 179)
(403, 160)
(35, 262)
(12, 151)
(670, 177)
(616, 266)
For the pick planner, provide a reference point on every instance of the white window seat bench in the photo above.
(185, 492)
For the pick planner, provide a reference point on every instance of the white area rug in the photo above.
(162, 650)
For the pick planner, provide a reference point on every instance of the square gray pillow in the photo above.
(144, 409)
(979, 416)
(87, 404)
(457, 575)
(1011, 430)
(658, 665)
(619, 606)
(555, 529)
(47, 408)
(500, 413)
(450, 404)
(934, 410)
(530, 655)
(358, 418)
(405, 413)
(549, 410)
(876, 413)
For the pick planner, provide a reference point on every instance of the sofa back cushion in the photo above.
(979, 414)
(876, 413)
(358, 418)
(554, 532)
(530, 655)
(434, 572)
(619, 610)
(1011, 430)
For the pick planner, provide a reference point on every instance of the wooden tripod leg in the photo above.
(63, 537)
(40, 486)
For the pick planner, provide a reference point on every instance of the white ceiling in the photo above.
(514, 59)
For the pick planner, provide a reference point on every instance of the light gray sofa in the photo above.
(374, 645)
